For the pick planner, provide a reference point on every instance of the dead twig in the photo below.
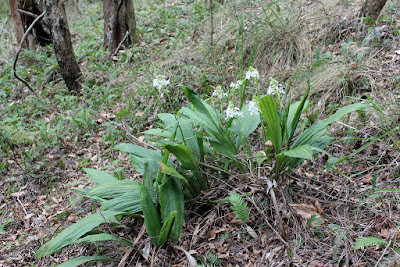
(120, 44)
(211, 23)
(126, 131)
(386, 248)
(17, 55)
(278, 214)
(124, 259)
(258, 209)
(152, 257)
(29, 14)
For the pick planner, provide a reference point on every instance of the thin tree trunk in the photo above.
(24, 13)
(18, 27)
(119, 20)
(372, 8)
(56, 20)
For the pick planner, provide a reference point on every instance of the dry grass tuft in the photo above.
(329, 81)
(280, 51)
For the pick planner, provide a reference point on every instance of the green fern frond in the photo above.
(362, 242)
(213, 260)
(239, 206)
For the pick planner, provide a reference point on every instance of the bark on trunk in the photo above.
(18, 27)
(372, 8)
(119, 21)
(56, 20)
(24, 13)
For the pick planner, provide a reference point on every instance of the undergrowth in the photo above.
(325, 64)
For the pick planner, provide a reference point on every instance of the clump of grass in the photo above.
(329, 81)
(279, 42)
(276, 54)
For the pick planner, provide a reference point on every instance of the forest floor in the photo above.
(326, 210)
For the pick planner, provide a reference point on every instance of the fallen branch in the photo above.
(29, 14)
(120, 43)
(17, 55)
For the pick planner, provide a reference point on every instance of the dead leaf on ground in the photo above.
(213, 234)
(367, 179)
(307, 210)
(387, 233)
(107, 115)
(236, 222)
(18, 194)
(252, 232)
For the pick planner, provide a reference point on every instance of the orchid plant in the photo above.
(197, 134)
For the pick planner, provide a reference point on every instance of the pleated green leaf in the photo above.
(184, 155)
(150, 213)
(76, 231)
(174, 173)
(128, 202)
(83, 259)
(302, 152)
(148, 177)
(201, 106)
(269, 110)
(166, 229)
(115, 189)
(101, 237)
(140, 155)
(171, 199)
(100, 177)
(312, 134)
(294, 115)
(188, 161)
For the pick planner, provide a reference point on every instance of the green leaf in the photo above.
(269, 110)
(188, 161)
(200, 105)
(150, 213)
(293, 118)
(75, 231)
(115, 189)
(83, 259)
(172, 172)
(101, 237)
(166, 228)
(100, 177)
(239, 206)
(159, 132)
(337, 161)
(148, 177)
(244, 125)
(248, 123)
(200, 143)
(184, 155)
(171, 199)
(187, 135)
(128, 202)
(388, 190)
(312, 134)
(302, 152)
(140, 155)
(207, 118)
(362, 242)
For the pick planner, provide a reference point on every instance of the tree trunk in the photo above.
(372, 8)
(18, 27)
(119, 24)
(24, 13)
(56, 20)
